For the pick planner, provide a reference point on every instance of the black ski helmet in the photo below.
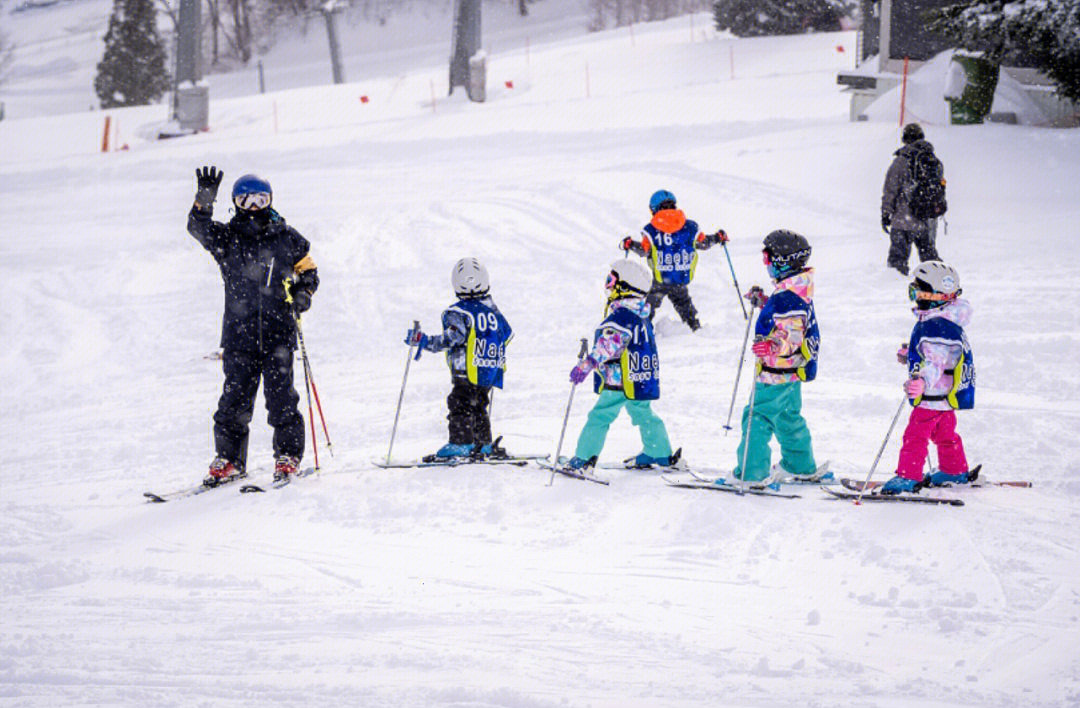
(788, 253)
(912, 132)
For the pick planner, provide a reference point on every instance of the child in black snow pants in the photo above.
(475, 335)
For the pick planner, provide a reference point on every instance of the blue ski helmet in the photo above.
(251, 184)
(661, 199)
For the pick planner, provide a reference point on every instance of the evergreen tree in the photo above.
(132, 72)
(758, 18)
(1042, 33)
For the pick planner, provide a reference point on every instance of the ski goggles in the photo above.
(915, 294)
(252, 201)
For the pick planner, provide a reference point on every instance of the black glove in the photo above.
(757, 297)
(301, 301)
(720, 237)
(626, 244)
(886, 221)
(209, 179)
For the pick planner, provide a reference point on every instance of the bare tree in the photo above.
(624, 12)
(7, 53)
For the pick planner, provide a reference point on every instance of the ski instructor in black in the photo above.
(262, 259)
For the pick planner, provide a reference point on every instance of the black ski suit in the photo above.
(256, 253)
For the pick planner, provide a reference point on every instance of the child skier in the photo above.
(627, 371)
(259, 256)
(475, 335)
(786, 341)
(942, 379)
(671, 241)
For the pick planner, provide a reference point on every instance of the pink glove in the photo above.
(901, 354)
(757, 297)
(763, 348)
(579, 372)
(914, 387)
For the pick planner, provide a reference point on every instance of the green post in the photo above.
(969, 88)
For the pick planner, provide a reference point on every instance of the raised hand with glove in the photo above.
(638, 247)
(757, 297)
(706, 241)
(208, 179)
(902, 354)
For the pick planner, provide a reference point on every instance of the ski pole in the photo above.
(310, 376)
(311, 417)
(566, 416)
(738, 293)
(738, 373)
(401, 395)
(746, 436)
(899, 410)
(307, 370)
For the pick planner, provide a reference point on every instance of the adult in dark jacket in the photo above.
(262, 259)
(902, 227)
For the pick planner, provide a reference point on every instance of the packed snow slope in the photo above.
(484, 586)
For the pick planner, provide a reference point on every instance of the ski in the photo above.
(254, 488)
(562, 469)
(154, 498)
(875, 496)
(821, 475)
(857, 485)
(695, 480)
(677, 464)
(516, 460)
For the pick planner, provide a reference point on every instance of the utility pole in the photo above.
(467, 64)
(191, 100)
(330, 10)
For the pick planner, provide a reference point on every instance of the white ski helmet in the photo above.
(629, 279)
(935, 284)
(938, 277)
(469, 278)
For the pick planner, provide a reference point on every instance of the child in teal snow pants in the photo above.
(654, 437)
(777, 411)
(627, 373)
(786, 346)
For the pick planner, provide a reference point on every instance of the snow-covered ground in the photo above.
(483, 586)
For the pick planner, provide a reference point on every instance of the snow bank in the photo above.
(925, 97)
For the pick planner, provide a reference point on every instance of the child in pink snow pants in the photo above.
(941, 371)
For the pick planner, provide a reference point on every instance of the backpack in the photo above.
(926, 188)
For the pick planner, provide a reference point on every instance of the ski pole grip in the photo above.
(584, 349)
